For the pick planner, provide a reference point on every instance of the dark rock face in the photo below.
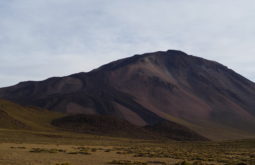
(147, 89)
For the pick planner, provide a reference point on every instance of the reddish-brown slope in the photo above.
(146, 89)
(189, 88)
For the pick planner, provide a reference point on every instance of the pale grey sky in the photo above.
(44, 38)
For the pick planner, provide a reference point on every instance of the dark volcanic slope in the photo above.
(112, 126)
(146, 89)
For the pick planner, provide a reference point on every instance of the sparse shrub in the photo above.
(18, 147)
(42, 150)
(93, 150)
(80, 152)
(156, 162)
(107, 150)
(241, 163)
(127, 162)
(199, 163)
(62, 164)
(183, 163)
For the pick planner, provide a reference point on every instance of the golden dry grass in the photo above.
(19, 154)
(85, 150)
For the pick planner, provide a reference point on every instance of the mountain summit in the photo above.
(202, 95)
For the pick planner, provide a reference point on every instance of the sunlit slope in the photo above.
(14, 116)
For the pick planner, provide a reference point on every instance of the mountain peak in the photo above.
(153, 56)
(169, 53)
(175, 52)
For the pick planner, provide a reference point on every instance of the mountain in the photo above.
(148, 89)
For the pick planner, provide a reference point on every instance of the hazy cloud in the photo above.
(44, 38)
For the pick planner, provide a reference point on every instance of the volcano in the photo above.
(151, 88)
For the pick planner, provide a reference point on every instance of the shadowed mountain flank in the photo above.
(148, 89)
(112, 126)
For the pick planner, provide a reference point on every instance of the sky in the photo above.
(45, 38)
